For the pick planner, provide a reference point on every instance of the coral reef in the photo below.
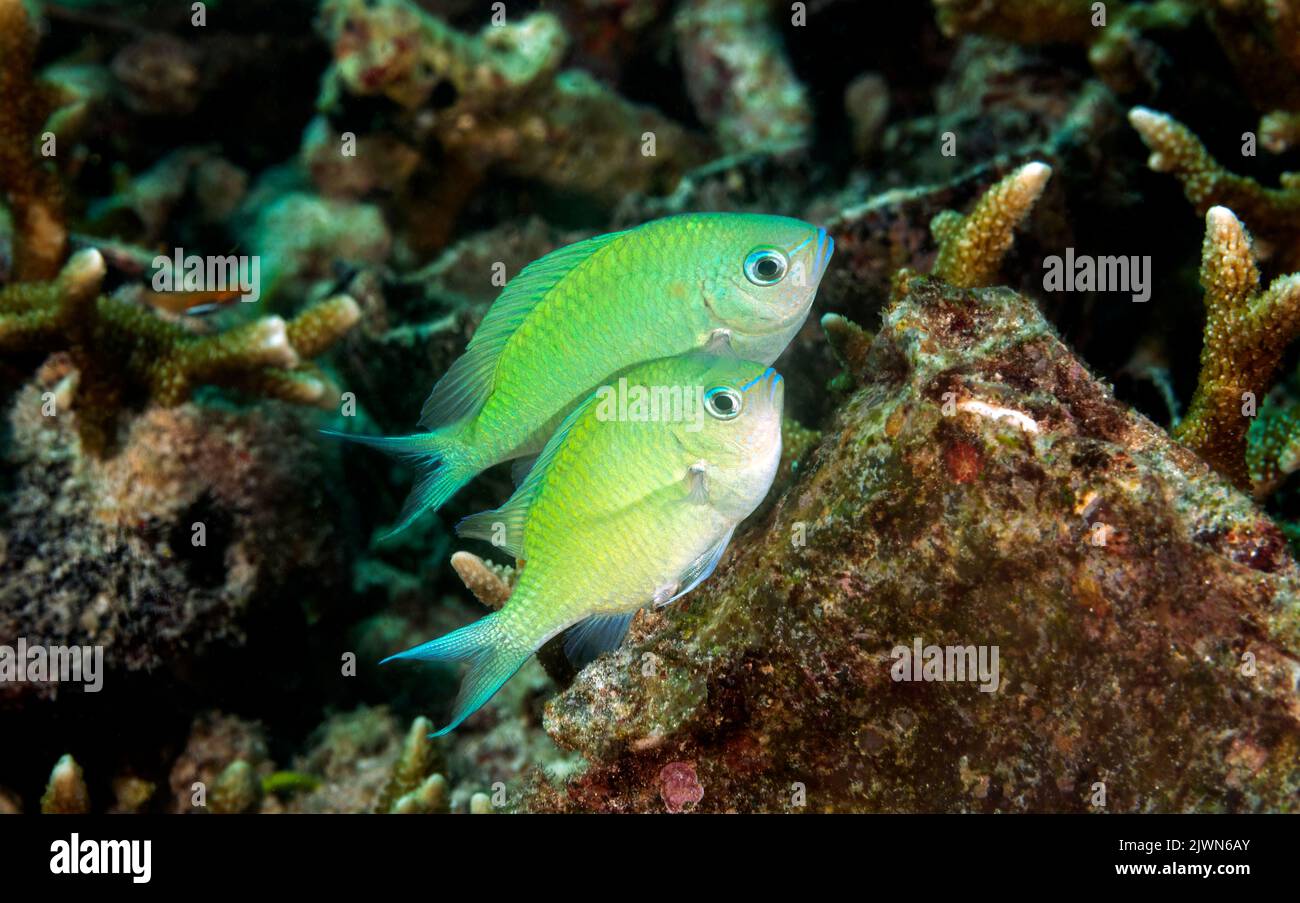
(119, 348)
(1273, 443)
(1262, 39)
(491, 584)
(1246, 332)
(414, 786)
(301, 238)
(237, 790)
(1273, 213)
(28, 183)
(216, 743)
(969, 466)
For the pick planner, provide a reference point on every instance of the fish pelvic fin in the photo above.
(441, 462)
(492, 656)
(596, 635)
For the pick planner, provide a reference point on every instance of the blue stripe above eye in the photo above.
(749, 385)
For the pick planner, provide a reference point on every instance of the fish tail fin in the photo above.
(443, 468)
(493, 659)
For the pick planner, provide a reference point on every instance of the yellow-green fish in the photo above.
(632, 502)
(736, 284)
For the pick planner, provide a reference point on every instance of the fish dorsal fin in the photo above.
(512, 517)
(700, 569)
(596, 635)
(466, 385)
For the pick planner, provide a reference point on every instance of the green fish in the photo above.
(632, 502)
(735, 284)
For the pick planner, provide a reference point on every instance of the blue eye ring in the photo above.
(766, 266)
(723, 402)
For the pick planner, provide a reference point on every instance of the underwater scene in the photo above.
(649, 406)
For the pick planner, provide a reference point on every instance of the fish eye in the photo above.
(766, 266)
(723, 402)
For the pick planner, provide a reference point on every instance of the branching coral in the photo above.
(971, 247)
(490, 583)
(122, 349)
(28, 184)
(1246, 332)
(66, 792)
(499, 100)
(415, 786)
(1110, 41)
(1262, 39)
(1274, 213)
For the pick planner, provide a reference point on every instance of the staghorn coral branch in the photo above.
(1112, 47)
(1261, 38)
(121, 348)
(30, 187)
(1246, 333)
(971, 247)
(66, 792)
(1274, 213)
(415, 786)
(491, 584)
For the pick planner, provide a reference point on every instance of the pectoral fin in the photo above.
(719, 343)
(700, 569)
(697, 487)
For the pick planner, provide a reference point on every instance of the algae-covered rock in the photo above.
(980, 489)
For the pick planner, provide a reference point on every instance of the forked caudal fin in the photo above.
(442, 469)
(492, 658)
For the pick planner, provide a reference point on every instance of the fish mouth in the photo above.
(825, 248)
(774, 380)
(775, 388)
